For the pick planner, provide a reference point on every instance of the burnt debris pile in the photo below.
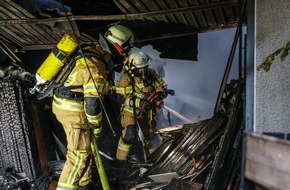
(202, 155)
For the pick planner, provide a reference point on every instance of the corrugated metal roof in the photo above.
(22, 30)
(152, 20)
(179, 17)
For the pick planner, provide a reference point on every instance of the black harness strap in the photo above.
(88, 53)
(65, 92)
(59, 54)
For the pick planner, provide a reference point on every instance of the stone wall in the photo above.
(272, 87)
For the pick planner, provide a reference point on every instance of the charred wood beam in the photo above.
(188, 33)
(9, 52)
(230, 62)
(120, 17)
(227, 140)
(16, 61)
(145, 39)
(39, 135)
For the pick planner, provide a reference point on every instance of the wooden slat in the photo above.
(38, 125)
(267, 161)
(201, 20)
(211, 20)
(219, 16)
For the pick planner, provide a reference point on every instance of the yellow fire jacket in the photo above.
(125, 87)
(90, 73)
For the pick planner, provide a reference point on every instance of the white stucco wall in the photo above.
(273, 87)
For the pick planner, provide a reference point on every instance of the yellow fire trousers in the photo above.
(77, 168)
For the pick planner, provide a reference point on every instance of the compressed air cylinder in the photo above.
(55, 60)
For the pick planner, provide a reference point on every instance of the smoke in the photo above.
(196, 83)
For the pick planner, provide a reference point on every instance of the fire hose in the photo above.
(155, 98)
(177, 114)
(99, 163)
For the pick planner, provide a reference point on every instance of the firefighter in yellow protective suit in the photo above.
(77, 105)
(136, 86)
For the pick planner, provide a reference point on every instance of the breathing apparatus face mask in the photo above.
(142, 73)
(127, 46)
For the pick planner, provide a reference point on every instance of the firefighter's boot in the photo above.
(121, 154)
(123, 150)
(90, 186)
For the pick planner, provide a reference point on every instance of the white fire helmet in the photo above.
(121, 35)
(138, 63)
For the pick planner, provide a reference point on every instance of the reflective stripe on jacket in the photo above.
(88, 72)
(70, 105)
(125, 88)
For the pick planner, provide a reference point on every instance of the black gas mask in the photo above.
(141, 72)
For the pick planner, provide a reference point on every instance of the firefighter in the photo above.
(136, 85)
(77, 104)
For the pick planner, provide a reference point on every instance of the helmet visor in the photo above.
(142, 72)
(127, 45)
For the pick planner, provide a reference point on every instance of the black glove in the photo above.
(161, 95)
(145, 104)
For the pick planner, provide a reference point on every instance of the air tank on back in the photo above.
(55, 61)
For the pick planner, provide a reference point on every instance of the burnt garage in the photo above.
(202, 155)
